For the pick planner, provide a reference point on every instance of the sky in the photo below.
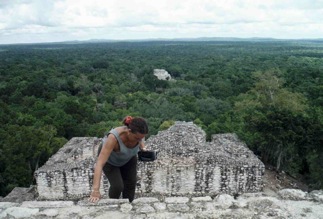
(38, 21)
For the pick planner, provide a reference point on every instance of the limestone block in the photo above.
(4, 205)
(49, 212)
(145, 209)
(317, 195)
(160, 206)
(178, 207)
(145, 200)
(224, 201)
(201, 199)
(177, 200)
(126, 207)
(21, 212)
(292, 194)
(47, 204)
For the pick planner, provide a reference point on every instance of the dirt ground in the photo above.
(274, 181)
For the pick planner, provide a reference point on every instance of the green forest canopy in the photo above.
(270, 93)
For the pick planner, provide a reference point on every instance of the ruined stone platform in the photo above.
(288, 204)
(187, 165)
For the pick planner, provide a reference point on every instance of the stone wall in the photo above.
(187, 165)
(68, 174)
(298, 205)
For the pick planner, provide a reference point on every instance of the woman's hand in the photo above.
(95, 196)
(142, 146)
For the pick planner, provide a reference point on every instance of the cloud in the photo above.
(23, 13)
(122, 19)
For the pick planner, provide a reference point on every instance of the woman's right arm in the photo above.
(106, 150)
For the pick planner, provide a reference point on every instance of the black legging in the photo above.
(122, 179)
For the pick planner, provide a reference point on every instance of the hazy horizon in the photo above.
(42, 21)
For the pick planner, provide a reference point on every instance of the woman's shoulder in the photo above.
(115, 133)
(120, 130)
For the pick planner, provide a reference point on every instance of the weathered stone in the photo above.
(166, 215)
(257, 207)
(145, 209)
(126, 207)
(113, 214)
(202, 206)
(299, 209)
(81, 211)
(224, 201)
(292, 194)
(241, 202)
(4, 205)
(49, 212)
(145, 200)
(160, 206)
(176, 200)
(3, 214)
(19, 194)
(68, 174)
(162, 74)
(235, 213)
(317, 195)
(21, 212)
(260, 204)
(103, 202)
(187, 165)
(180, 207)
(202, 199)
(47, 204)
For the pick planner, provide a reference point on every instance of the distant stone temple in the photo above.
(162, 74)
(187, 165)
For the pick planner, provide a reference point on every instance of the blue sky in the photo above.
(32, 21)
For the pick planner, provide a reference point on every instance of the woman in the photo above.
(118, 159)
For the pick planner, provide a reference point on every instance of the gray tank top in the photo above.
(124, 155)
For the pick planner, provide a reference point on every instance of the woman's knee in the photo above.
(115, 191)
(117, 188)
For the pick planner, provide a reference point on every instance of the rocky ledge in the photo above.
(287, 203)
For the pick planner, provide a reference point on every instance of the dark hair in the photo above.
(136, 124)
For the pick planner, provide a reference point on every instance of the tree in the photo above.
(274, 117)
(313, 149)
(166, 124)
(209, 109)
(25, 148)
